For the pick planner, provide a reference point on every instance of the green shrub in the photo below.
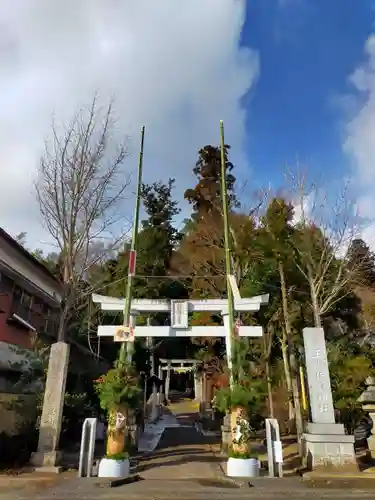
(119, 387)
(249, 453)
(248, 395)
(16, 450)
(118, 456)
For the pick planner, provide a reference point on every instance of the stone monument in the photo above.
(367, 398)
(325, 442)
(48, 455)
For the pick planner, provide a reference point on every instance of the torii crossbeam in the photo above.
(179, 310)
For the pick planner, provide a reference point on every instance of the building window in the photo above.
(26, 300)
(22, 303)
(17, 294)
(6, 284)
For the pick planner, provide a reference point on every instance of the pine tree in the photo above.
(157, 241)
(205, 198)
(362, 259)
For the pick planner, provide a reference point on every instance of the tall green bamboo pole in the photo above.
(228, 264)
(127, 347)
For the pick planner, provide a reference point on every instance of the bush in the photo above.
(249, 453)
(119, 387)
(349, 367)
(77, 407)
(16, 450)
(247, 394)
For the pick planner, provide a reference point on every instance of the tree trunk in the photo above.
(65, 305)
(288, 377)
(292, 361)
(314, 301)
(267, 347)
(269, 389)
(297, 408)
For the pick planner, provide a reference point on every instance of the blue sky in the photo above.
(307, 51)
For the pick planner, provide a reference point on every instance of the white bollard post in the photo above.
(274, 448)
(87, 451)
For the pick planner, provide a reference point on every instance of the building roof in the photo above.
(20, 249)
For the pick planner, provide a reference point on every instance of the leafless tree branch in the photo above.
(80, 188)
(327, 226)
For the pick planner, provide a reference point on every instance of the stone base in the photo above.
(49, 470)
(371, 445)
(327, 447)
(48, 461)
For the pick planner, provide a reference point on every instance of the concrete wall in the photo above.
(12, 357)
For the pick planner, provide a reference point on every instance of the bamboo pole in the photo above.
(228, 266)
(127, 347)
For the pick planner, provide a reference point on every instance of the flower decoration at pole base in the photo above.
(240, 399)
(118, 393)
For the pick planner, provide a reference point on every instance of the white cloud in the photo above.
(360, 141)
(174, 66)
(303, 207)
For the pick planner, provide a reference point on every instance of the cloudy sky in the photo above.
(176, 67)
(288, 77)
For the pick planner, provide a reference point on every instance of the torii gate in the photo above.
(177, 365)
(179, 311)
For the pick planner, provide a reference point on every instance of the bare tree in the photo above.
(327, 225)
(80, 188)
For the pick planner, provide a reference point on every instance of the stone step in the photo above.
(274, 489)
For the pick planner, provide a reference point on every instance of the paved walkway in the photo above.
(182, 466)
(181, 452)
(155, 489)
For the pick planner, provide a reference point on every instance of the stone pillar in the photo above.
(325, 442)
(48, 455)
(132, 426)
(167, 381)
(198, 387)
(367, 398)
(160, 376)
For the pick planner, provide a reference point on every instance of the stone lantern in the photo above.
(367, 398)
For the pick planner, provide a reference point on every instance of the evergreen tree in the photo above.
(205, 198)
(362, 259)
(156, 242)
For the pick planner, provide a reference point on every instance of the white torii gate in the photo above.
(179, 366)
(179, 311)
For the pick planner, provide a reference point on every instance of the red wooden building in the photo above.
(29, 302)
